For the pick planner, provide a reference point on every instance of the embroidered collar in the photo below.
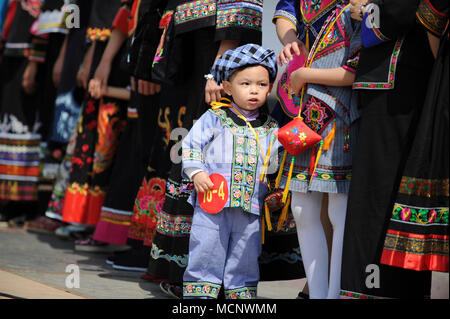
(312, 10)
(258, 122)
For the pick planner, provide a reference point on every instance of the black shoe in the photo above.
(17, 222)
(174, 291)
(302, 295)
(133, 260)
(111, 259)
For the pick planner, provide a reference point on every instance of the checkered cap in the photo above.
(249, 54)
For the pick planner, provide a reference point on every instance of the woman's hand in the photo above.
(101, 79)
(29, 78)
(148, 88)
(298, 79)
(85, 67)
(96, 90)
(133, 84)
(213, 92)
(355, 8)
(202, 182)
(296, 47)
(57, 70)
(82, 77)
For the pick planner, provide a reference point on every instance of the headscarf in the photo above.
(246, 55)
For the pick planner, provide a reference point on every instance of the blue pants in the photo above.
(223, 248)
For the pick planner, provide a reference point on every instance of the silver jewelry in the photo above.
(361, 8)
(209, 76)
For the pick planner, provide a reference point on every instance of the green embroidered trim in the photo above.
(174, 226)
(241, 293)
(157, 253)
(195, 10)
(424, 187)
(201, 289)
(345, 294)
(243, 172)
(423, 216)
(391, 75)
(336, 177)
(192, 155)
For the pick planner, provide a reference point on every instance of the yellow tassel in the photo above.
(286, 188)
(283, 215)
(263, 230)
(223, 102)
(280, 171)
(266, 161)
(79, 125)
(307, 38)
(269, 224)
(330, 137)
(319, 153)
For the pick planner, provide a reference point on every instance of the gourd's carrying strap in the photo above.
(224, 102)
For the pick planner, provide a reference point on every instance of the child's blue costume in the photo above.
(224, 247)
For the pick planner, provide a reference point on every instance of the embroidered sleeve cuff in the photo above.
(192, 159)
(193, 155)
(121, 20)
(97, 34)
(352, 62)
(433, 20)
(349, 68)
(239, 20)
(36, 56)
(281, 14)
(38, 50)
(370, 32)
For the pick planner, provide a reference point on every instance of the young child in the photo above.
(224, 247)
(329, 109)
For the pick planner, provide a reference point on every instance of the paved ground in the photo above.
(34, 266)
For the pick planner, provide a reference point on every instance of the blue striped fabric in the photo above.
(249, 54)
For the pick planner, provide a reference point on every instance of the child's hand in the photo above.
(297, 47)
(298, 79)
(96, 90)
(82, 77)
(29, 78)
(101, 76)
(202, 182)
